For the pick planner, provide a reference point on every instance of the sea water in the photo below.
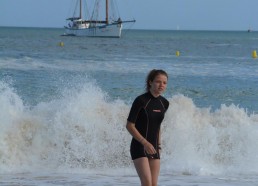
(64, 102)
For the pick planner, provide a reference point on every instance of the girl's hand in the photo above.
(148, 147)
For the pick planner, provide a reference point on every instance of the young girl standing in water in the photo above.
(143, 123)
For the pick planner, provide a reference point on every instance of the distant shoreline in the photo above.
(137, 29)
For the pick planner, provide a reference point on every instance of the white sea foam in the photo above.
(198, 141)
(83, 131)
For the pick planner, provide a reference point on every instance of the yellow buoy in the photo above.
(177, 53)
(254, 54)
(61, 44)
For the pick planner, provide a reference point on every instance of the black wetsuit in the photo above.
(147, 113)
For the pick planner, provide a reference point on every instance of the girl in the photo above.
(143, 123)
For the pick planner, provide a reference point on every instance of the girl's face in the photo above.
(158, 85)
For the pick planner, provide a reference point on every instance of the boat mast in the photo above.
(106, 11)
(80, 9)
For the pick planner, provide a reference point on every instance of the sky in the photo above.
(149, 14)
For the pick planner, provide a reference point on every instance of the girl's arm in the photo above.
(136, 135)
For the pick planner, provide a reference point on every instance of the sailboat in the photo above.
(93, 26)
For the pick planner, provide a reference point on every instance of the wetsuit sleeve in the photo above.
(135, 109)
(165, 103)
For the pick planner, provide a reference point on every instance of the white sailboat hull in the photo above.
(111, 30)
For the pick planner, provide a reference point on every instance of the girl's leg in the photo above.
(155, 168)
(143, 169)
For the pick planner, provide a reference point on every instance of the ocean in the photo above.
(64, 102)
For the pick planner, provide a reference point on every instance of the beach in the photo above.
(108, 180)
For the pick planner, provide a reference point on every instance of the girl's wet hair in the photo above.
(152, 75)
